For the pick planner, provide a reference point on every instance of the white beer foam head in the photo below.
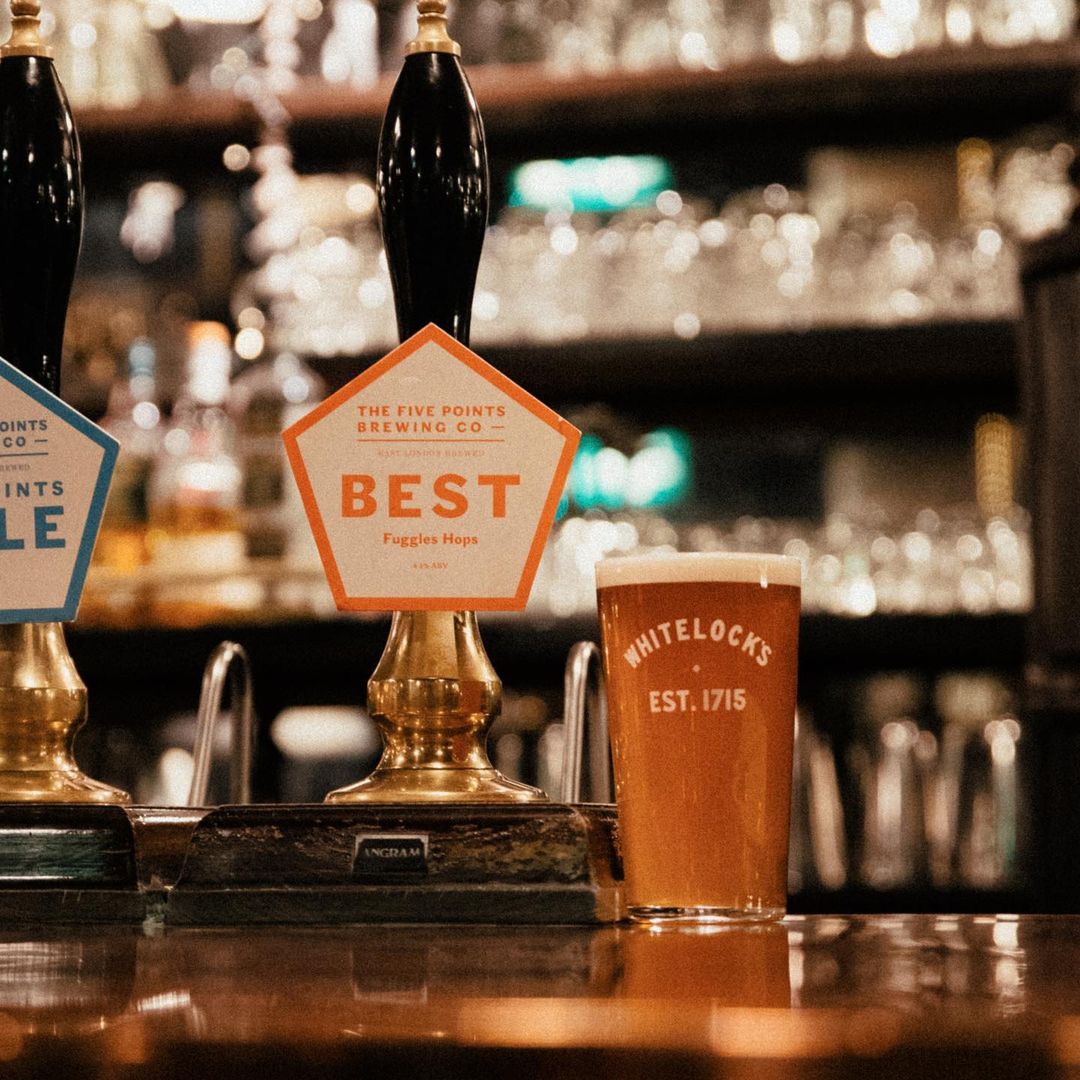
(734, 566)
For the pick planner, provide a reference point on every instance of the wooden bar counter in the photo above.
(936, 996)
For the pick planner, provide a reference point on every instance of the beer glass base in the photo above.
(690, 915)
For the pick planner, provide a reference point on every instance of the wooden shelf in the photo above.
(853, 361)
(528, 110)
(975, 360)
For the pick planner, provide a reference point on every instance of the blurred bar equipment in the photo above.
(1050, 342)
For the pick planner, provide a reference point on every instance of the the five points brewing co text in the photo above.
(405, 420)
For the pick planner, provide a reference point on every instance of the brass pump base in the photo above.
(434, 695)
(418, 785)
(42, 706)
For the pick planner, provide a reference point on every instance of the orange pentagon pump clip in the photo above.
(431, 481)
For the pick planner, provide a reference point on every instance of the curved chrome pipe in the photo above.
(227, 661)
(578, 665)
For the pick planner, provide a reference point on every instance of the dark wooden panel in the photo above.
(786, 369)
(74, 846)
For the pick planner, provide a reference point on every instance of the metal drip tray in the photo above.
(316, 864)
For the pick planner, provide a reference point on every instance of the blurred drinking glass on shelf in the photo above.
(839, 28)
(699, 33)
(134, 419)
(939, 563)
(350, 51)
(116, 53)
(817, 858)
(670, 33)
(894, 27)
(131, 64)
(106, 53)
(798, 30)
(76, 28)
(500, 31)
(195, 490)
(322, 279)
(676, 270)
(648, 38)
(581, 36)
(1019, 22)
(149, 227)
(693, 34)
(1034, 195)
(521, 31)
(608, 248)
(887, 760)
(975, 838)
(746, 24)
(934, 791)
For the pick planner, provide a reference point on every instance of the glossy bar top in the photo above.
(814, 996)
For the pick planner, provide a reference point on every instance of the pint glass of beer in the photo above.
(700, 654)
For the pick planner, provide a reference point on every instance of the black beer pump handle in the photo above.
(433, 183)
(41, 201)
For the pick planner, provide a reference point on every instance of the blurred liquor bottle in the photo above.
(266, 399)
(114, 591)
(195, 537)
(133, 418)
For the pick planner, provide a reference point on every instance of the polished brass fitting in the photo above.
(42, 706)
(25, 37)
(432, 34)
(434, 696)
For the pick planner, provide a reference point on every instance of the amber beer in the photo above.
(700, 654)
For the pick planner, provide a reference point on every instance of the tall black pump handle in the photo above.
(433, 183)
(41, 201)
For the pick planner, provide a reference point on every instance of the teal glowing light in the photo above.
(657, 474)
(582, 483)
(591, 184)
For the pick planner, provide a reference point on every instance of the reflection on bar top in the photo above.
(898, 995)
